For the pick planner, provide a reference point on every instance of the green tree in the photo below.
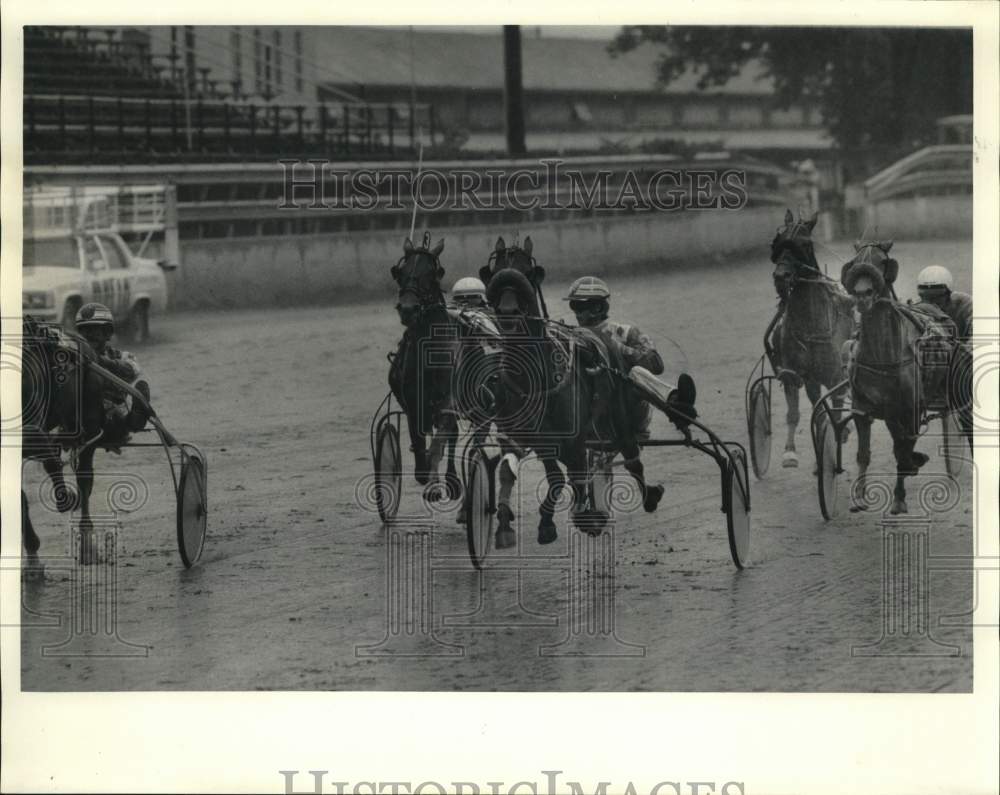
(876, 87)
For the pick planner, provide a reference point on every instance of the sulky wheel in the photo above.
(759, 427)
(736, 500)
(480, 510)
(192, 509)
(954, 444)
(388, 472)
(829, 473)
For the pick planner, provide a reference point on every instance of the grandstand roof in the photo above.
(381, 57)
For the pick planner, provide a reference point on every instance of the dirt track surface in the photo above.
(291, 592)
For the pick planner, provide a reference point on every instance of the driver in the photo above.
(589, 299)
(934, 287)
(96, 324)
(469, 293)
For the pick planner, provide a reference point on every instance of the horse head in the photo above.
(869, 275)
(513, 298)
(517, 257)
(418, 275)
(792, 252)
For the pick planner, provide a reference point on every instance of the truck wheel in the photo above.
(138, 322)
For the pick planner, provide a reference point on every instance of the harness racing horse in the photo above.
(58, 393)
(556, 392)
(420, 374)
(815, 318)
(900, 366)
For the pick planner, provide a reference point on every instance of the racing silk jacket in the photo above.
(121, 364)
(636, 348)
(959, 309)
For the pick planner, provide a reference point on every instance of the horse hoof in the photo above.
(433, 493)
(504, 539)
(460, 517)
(591, 522)
(919, 459)
(423, 478)
(790, 459)
(898, 507)
(653, 496)
(857, 508)
(547, 532)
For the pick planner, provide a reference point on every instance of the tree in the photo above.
(876, 87)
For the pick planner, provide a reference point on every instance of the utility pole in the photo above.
(513, 93)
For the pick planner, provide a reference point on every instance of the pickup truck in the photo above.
(61, 274)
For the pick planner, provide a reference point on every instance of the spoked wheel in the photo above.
(829, 473)
(480, 510)
(955, 445)
(736, 499)
(759, 426)
(388, 472)
(192, 509)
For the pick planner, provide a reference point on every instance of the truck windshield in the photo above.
(59, 253)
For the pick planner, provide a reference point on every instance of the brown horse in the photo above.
(556, 393)
(59, 395)
(420, 375)
(900, 366)
(815, 317)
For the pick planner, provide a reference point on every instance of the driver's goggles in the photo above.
(585, 306)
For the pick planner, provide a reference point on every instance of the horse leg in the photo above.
(864, 425)
(506, 474)
(66, 498)
(908, 462)
(434, 456)
(556, 481)
(813, 392)
(418, 446)
(85, 486)
(452, 482)
(790, 458)
(584, 518)
(651, 495)
(29, 537)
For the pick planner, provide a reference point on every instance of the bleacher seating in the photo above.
(92, 97)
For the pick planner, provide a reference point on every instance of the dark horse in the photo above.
(814, 319)
(420, 375)
(556, 393)
(905, 362)
(58, 394)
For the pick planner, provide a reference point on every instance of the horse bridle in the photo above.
(491, 262)
(412, 285)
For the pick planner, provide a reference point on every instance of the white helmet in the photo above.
(934, 276)
(469, 290)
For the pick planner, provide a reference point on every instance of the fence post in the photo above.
(121, 124)
(368, 128)
(390, 114)
(430, 112)
(277, 127)
(225, 127)
(299, 110)
(62, 122)
(173, 124)
(199, 113)
(322, 126)
(90, 122)
(253, 128)
(347, 129)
